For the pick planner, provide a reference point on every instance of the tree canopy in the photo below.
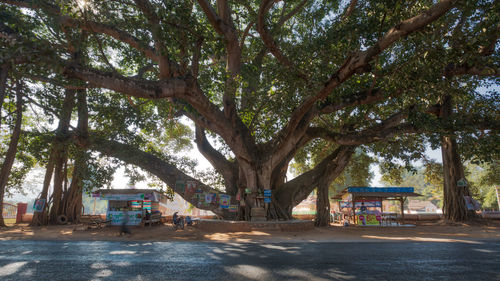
(264, 80)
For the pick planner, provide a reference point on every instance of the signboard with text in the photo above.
(369, 220)
(117, 217)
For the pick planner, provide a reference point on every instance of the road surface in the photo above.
(100, 260)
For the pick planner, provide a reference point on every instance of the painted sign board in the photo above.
(210, 197)
(38, 205)
(368, 220)
(117, 217)
(224, 200)
(190, 188)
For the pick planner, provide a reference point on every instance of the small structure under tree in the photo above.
(352, 195)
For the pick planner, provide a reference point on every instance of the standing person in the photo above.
(363, 208)
(175, 217)
(124, 228)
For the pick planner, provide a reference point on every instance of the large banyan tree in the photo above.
(263, 79)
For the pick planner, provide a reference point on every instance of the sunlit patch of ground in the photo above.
(235, 236)
(420, 239)
(430, 232)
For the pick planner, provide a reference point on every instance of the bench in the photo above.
(155, 218)
(93, 221)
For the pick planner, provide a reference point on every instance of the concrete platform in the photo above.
(245, 226)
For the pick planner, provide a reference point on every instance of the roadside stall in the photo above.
(364, 205)
(141, 206)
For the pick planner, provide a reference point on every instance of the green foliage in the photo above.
(426, 179)
(483, 180)
(317, 40)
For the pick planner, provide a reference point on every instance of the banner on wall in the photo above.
(369, 204)
(117, 217)
(345, 204)
(122, 197)
(369, 220)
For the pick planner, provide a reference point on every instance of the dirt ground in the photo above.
(437, 232)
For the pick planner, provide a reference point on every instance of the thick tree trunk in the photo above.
(454, 207)
(296, 190)
(72, 200)
(73, 197)
(40, 218)
(60, 159)
(60, 155)
(11, 151)
(322, 206)
(4, 71)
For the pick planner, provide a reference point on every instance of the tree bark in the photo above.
(4, 71)
(60, 154)
(295, 191)
(72, 200)
(60, 159)
(322, 206)
(454, 207)
(11, 151)
(40, 218)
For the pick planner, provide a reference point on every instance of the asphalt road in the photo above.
(99, 260)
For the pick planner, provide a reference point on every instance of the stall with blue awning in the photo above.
(364, 198)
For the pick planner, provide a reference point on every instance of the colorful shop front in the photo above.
(364, 205)
(133, 203)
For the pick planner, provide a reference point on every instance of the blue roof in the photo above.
(381, 189)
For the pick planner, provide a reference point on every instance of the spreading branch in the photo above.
(350, 9)
(299, 188)
(227, 169)
(465, 69)
(155, 27)
(359, 62)
(267, 38)
(127, 85)
(151, 163)
(87, 25)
